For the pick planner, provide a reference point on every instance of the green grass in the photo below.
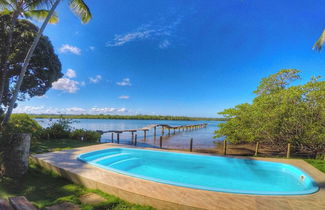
(319, 164)
(57, 145)
(44, 188)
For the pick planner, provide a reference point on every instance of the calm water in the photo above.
(202, 138)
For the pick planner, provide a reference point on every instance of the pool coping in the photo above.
(165, 196)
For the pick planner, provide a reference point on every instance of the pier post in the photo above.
(135, 139)
(162, 130)
(132, 137)
(154, 131)
(118, 138)
(191, 144)
(160, 142)
(112, 137)
(288, 150)
(174, 131)
(168, 131)
(256, 148)
(145, 135)
(225, 147)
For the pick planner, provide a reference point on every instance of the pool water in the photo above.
(222, 174)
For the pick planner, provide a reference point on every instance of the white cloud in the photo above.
(124, 82)
(121, 39)
(75, 109)
(83, 83)
(164, 44)
(40, 97)
(124, 97)
(95, 79)
(92, 48)
(71, 73)
(156, 31)
(68, 48)
(69, 110)
(66, 85)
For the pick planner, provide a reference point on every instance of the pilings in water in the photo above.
(149, 127)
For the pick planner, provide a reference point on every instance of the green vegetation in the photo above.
(38, 81)
(43, 189)
(126, 117)
(319, 164)
(280, 114)
(57, 145)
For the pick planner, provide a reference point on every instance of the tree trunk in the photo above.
(26, 63)
(15, 156)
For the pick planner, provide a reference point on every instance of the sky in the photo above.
(177, 57)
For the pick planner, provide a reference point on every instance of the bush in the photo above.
(22, 123)
(58, 130)
(85, 135)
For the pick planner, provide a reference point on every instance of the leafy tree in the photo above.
(28, 9)
(280, 114)
(44, 68)
(80, 9)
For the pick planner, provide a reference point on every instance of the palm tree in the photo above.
(29, 9)
(320, 42)
(80, 9)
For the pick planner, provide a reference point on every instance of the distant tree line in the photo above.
(127, 117)
(281, 113)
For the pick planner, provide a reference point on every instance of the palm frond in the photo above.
(38, 4)
(80, 9)
(41, 14)
(320, 42)
(5, 11)
(4, 4)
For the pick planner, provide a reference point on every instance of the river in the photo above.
(202, 137)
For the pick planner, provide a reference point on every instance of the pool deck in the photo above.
(164, 196)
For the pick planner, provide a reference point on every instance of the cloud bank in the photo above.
(69, 110)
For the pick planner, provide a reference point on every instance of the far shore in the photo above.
(126, 117)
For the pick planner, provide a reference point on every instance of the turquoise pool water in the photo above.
(205, 172)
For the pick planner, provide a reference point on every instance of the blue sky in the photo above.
(184, 57)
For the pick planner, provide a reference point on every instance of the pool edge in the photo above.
(185, 199)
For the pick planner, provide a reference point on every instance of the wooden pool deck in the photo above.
(164, 196)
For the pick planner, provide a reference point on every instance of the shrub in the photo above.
(85, 135)
(58, 130)
(22, 123)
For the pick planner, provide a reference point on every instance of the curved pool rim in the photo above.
(313, 190)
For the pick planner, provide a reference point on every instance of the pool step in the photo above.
(126, 163)
(95, 157)
(108, 160)
(110, 156)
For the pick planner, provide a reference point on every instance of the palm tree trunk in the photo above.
(26, 62)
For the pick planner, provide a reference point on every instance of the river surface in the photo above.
(202, 137)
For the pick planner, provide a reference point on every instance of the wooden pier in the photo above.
(154, 126)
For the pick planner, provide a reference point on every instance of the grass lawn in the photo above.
(319, 164)
(44, 188)
(57, 144)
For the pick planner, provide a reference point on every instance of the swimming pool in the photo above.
(222, 174)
